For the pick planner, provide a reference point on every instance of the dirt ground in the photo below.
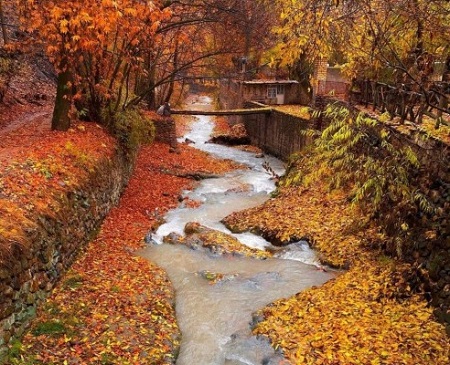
(27, 106)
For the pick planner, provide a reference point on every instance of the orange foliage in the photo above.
(52, 161)
(113, 306)
(99, 42)
(37, 167)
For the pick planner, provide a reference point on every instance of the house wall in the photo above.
(255, 92)
(292, 95)
(234, 95)
(258, 93)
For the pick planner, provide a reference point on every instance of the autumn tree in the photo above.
(181, 47)
(199, 39)
(95, 46)
(247, 25)
(112, 55)
(397, 40)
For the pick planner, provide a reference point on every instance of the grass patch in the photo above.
(73, 282)
(50, 328)
(13, 356)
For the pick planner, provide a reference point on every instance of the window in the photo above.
(274, 90)
(271, 91)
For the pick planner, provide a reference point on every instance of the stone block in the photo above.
(6, 308)
(4, 273)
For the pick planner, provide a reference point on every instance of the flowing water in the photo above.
(215, 318)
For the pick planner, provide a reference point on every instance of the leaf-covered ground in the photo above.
(36, 166)
(112, 307)
(367, 315)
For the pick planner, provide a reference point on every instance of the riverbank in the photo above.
(369, 314)
(111, 306)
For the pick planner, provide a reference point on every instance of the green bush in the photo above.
(359, 154)
(133, 129)
(50, 328)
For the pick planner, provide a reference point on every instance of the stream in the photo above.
(215, 319)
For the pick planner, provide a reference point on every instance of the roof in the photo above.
(269, 82)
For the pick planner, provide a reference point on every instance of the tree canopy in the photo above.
(368, 37)
(111, 55)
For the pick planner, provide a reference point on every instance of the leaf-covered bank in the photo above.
(55, 189)
(376, 312)
(367, 315)
(113, 307)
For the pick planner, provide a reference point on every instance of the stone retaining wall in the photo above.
(28, 277)
(276, 133)
(279, 134)
(165, 130)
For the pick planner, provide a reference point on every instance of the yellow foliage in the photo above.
(367, 315)
(369, 35)
(352, 320)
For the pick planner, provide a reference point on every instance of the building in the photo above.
(270, 92)
(234, 94)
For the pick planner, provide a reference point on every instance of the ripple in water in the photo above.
(215, 318)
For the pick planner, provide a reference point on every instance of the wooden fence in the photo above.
(402, 101)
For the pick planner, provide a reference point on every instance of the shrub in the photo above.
(132, 129)
(359, 154)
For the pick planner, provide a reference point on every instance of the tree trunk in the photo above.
(172, 76)
(146, 85)
(2, 21)
(301, 71)
(61, 119)
(151, 92)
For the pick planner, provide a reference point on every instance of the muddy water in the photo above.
(215, 317)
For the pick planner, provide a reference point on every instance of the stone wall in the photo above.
(165, 130)
(276, 133)
(29, 274)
